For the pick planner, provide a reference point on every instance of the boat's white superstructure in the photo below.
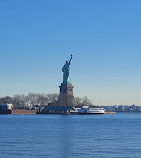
(91, 110)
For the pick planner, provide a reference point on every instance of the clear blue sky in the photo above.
(38, 36)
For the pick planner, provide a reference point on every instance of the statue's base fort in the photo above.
(66, 97)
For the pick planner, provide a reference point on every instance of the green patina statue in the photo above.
(66, 71)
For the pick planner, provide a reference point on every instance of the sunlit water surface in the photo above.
(81, 136)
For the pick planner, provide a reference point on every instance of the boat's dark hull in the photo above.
(7, 111)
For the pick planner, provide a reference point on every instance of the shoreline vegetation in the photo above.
(31, 102)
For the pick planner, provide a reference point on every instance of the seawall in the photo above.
(23, 112)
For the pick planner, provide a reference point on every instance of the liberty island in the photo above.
(66, 103)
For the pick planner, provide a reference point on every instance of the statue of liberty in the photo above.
(66, 71)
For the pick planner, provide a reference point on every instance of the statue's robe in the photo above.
(66, 71)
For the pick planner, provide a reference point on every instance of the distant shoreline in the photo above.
(33, 112)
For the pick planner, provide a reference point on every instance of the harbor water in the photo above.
(70, 136)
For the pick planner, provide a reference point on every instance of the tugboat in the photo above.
(91, 110)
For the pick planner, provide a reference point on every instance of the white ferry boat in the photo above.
(91, 110)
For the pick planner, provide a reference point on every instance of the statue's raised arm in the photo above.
(70, 58)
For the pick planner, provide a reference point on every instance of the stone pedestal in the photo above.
(66, 97)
